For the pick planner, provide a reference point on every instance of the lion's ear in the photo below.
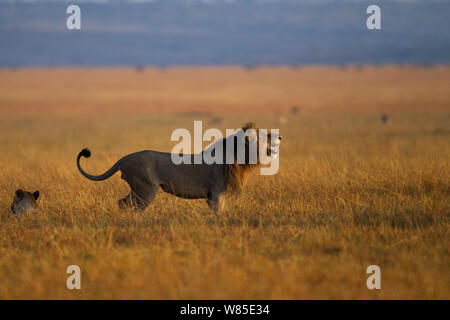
(248, 125)
(36, 195)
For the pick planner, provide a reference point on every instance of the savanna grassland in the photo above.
(352, 190)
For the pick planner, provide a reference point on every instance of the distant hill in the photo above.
(238, 32)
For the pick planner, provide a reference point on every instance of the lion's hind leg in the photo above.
(142, 194)
(126, 202)
(138, 201)
(215, 202)
(143, 190)
(144, 198)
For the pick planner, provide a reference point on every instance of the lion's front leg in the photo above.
(215, 202)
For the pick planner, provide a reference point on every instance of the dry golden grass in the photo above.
(351, 190)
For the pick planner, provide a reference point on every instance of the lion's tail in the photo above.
(86, 153)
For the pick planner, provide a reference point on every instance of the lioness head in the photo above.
(24, 202)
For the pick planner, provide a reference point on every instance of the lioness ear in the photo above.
(19, 194)
(36, 195)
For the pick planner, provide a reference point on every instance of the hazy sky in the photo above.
(222, 32)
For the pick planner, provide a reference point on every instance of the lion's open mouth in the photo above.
(274, 148)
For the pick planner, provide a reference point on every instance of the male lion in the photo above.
(148, 170)
(24, 202)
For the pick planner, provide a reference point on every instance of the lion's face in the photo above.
(24, 202)
(273, 145)
(270, 142)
